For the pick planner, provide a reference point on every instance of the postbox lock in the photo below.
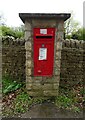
(43, 45)
(39, 71)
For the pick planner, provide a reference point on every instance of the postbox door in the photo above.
(43, 64)
(43, 57)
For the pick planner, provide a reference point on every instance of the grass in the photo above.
(17, 100)
(68, 103)
(63, 101)
(22, 102)
(70, 99)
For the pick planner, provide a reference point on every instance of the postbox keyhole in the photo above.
(43, 45)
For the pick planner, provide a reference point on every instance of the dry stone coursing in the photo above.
(13, 58)
(72, 61)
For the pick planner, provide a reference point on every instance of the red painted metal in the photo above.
(43, 42)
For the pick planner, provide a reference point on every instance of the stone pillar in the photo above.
(43, 86)
(28, 47)
(58, 48)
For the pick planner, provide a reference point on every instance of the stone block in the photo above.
(43, 23)
(57, 64)
(59, 45)
(29, 79)
(28, 71)
(47, 80)
(61, 26)
(50, 93)
(28, 46)
(44, 93)
(27, 35)
(57, 72)
(56, 85)
(28, 26)
(47, 86)
(68, 43)
(39, 78)
(58, 55)
(59, 35)
(29, 86)
(36, 93)
(37, 86)
(28, 55)
(72, 42)
(28, 63)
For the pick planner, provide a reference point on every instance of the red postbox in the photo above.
(43, 51)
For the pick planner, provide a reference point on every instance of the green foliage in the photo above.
(63, 101)
(71, 99)
(82, 91)
(9, 31)
(80, 34)
(39, 100)
(76, 109)
(73, 30)
(22, 102)
(68, 37)
(10, 85)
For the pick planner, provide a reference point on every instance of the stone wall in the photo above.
(72, 63)
(13, 58)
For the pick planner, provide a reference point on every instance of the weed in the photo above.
(22, 102)
(82, 91)
(63, 101)
(9, 85)
(76, 109)
(39, 100)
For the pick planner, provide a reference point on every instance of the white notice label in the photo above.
(43, 31)
(42, 53)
